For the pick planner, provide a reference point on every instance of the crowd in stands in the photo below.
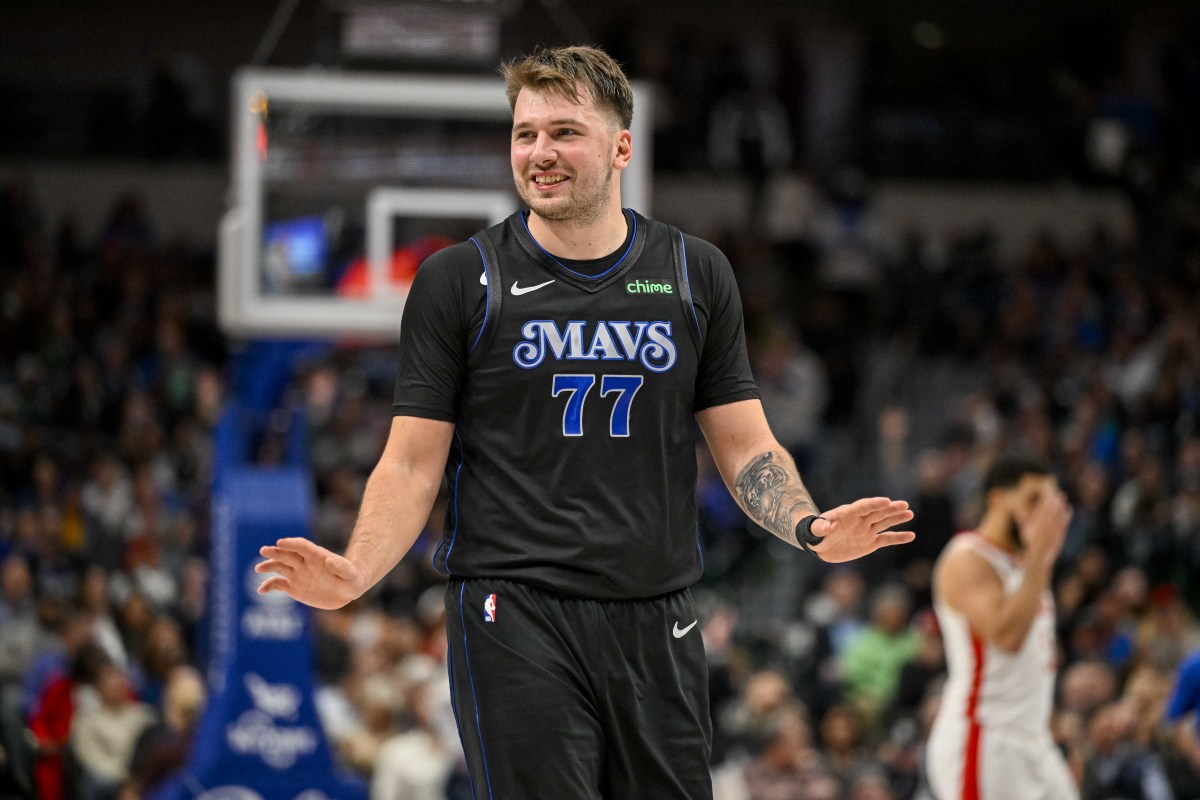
(885, 370)
(823, 680)
(1068, 91)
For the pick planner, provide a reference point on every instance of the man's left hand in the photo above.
(856, 529)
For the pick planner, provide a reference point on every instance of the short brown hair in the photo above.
(564, 69)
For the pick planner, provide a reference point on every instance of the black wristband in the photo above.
(804, 535)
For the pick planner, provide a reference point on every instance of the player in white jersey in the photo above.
(991, 737)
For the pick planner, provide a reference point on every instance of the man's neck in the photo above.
(581, 242)
(995, 530)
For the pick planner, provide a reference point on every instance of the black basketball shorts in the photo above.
(567, 698)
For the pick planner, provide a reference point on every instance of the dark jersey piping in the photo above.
(462, 459)
(488, 291)
(580, 275)
(687, 284)
(454, 700)
(493, 296)
(462, 612)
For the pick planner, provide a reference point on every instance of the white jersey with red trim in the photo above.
(987, 685)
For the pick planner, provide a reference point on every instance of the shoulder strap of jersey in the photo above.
(971, 540)
(679, 256)
(495, 294)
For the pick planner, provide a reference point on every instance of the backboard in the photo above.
(342, 183)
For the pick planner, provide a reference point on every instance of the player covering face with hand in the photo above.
(559, 400)
(991, 738)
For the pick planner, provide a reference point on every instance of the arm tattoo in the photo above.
(771, 492)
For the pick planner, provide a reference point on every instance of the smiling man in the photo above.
(559, 396)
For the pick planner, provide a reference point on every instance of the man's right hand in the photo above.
(1044, 528)
(309, 573)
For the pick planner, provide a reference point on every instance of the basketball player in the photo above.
(991, 737)
(554, 367)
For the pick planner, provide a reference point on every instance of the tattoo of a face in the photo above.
(771, 491)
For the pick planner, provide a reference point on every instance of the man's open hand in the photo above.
(856, 529)
(309, 573)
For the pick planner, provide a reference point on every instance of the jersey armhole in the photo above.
(494, 289)
(679, 256)
(964, 546)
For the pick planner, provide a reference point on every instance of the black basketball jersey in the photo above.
(573, 396)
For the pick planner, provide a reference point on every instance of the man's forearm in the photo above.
(769, 490)
(395, 507)
(1021, 608)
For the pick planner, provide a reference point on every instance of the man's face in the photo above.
(1020, 500)
(564, 155)
(112, 686)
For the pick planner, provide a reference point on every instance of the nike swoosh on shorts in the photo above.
(679, 633)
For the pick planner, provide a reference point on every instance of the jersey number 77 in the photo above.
(577, 387)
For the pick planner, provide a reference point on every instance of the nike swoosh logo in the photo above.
(679, 633)
(518, 291)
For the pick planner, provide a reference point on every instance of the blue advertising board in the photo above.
(260, 737)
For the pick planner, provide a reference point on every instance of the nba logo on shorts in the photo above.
(489, 608)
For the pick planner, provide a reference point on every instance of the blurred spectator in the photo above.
(193, 599)
(792, 205)
(1091, 520)
(69, 636)
(338, 510)
(871, 785)
(1140, 513)
(876, 656)
(380, 704)
(1085, 686)
(1168, 632)
(1105, 631)
(163, 747)
(763, 694)
(1119, 766)
(748, 133)
(103, 737)
(94, 603)
(794, 390)
(1079, 588)
(416, 764)
(1146, 692)
(52, 716)
(108, 507)
(24, 639)
(16, 590)
(934, 508)
(134, 618)
(901, 754)
(919, 674)
(838, 607)
(843, 752)
(837, 616)
(785, 764)
(853, 242)
(162, 651)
